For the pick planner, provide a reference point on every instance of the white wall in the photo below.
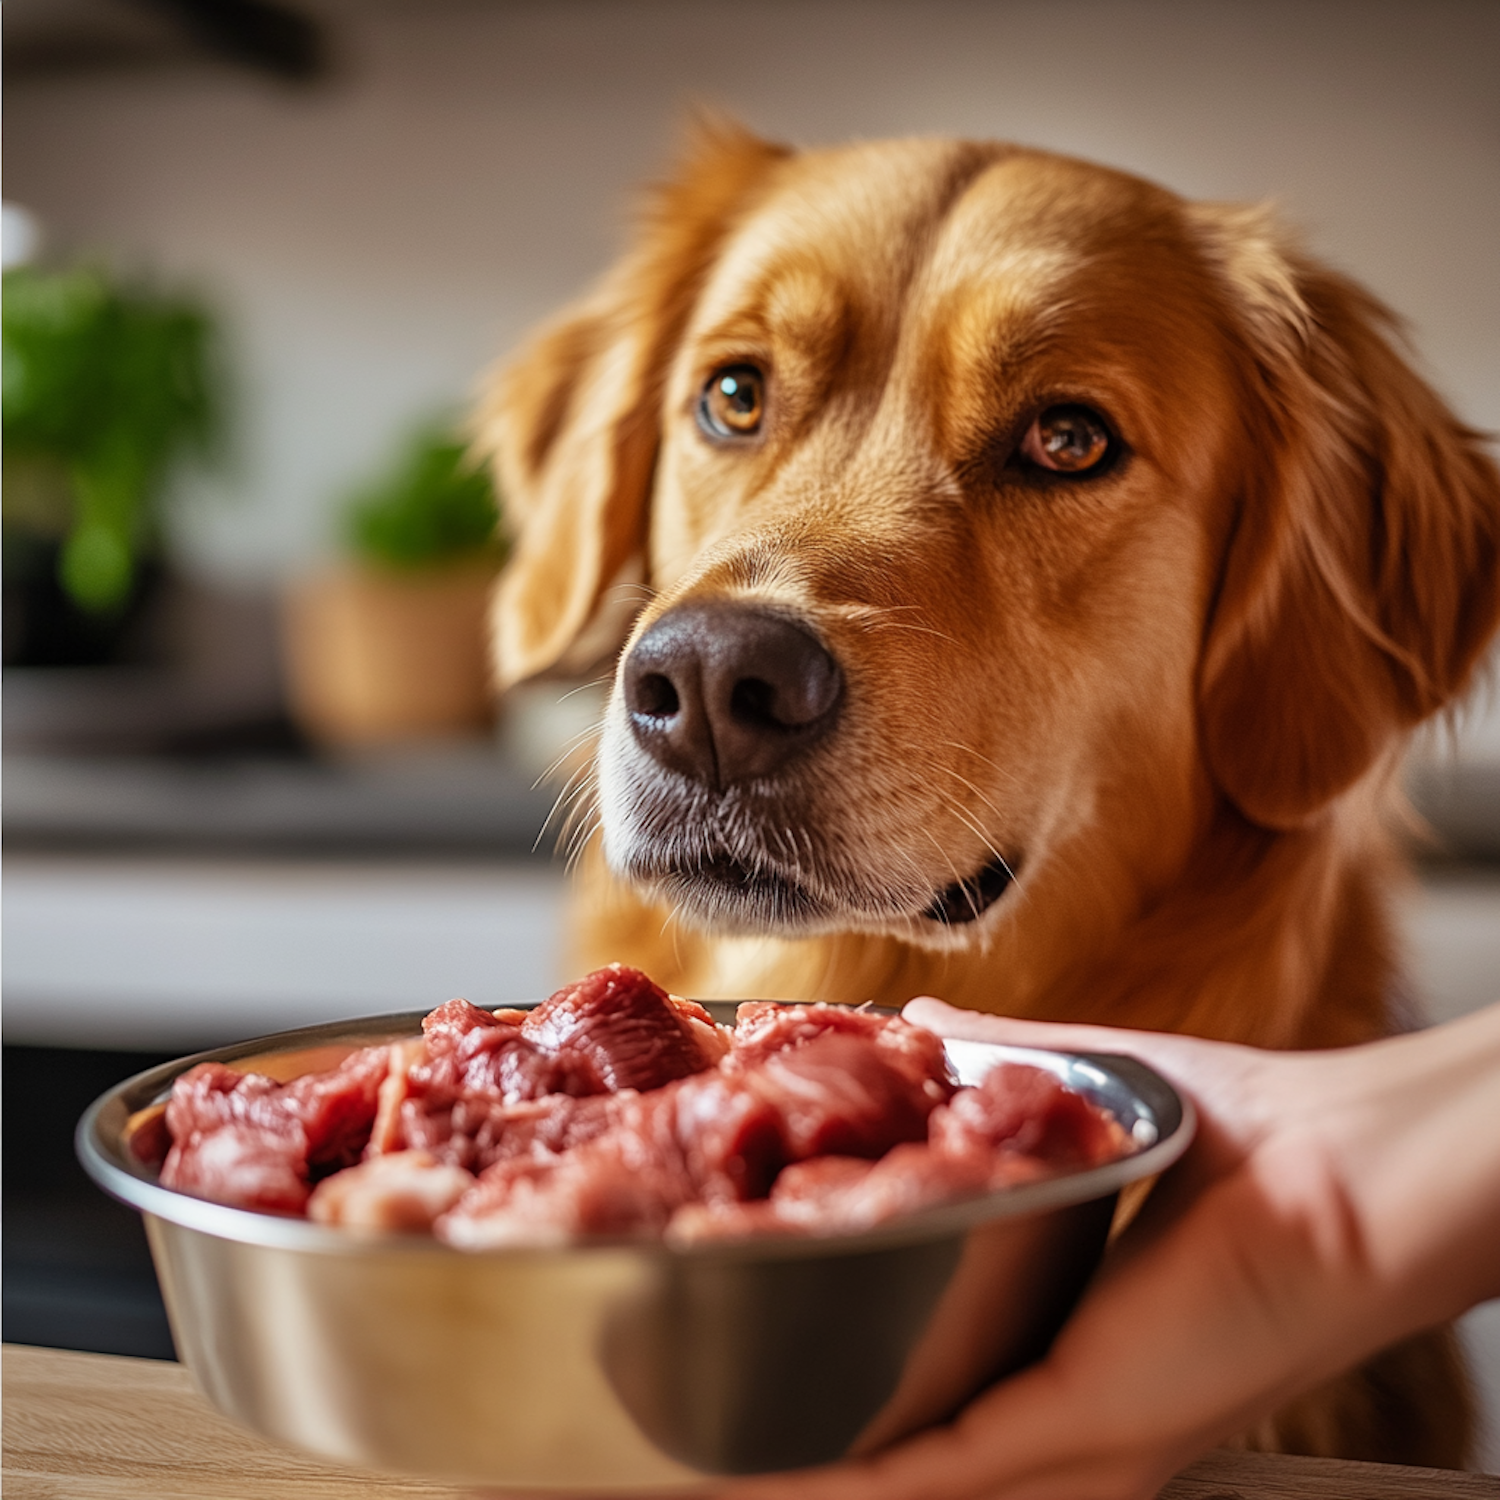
(378, 240)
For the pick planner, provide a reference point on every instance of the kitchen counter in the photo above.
(98, 1427)
(171, 953)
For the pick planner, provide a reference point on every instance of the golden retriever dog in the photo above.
(1029, 579)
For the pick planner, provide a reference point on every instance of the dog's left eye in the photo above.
(1068, 440)
(733, 402)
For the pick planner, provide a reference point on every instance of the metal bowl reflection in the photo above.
(619, 1365)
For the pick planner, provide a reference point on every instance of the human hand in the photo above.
(1331, 1204)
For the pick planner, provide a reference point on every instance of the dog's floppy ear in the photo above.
(572, 424)
(1362, 578)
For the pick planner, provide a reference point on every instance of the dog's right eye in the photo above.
(733, 402)
(1068, 440)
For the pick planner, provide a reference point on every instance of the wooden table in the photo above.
(96, 1427)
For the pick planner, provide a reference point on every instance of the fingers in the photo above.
(1192, 1063)
(976, 1026)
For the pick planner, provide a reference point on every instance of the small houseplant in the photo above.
(390, 644)
(109, 385)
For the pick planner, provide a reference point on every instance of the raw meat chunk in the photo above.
(400, 1190)
(720, 1137)
(839, 1095)
(630, 1178)
(616, 1109)
(762, 1028)
(841, 1194)
(730, 1133)
(549, 1126)
(903, 1181)
(1019, 1125)
(486, 1088)
(246, 1140)
(242, 1166)
(1023, 1111)
(625, 1182)
(470, 1052)
(625, 1030)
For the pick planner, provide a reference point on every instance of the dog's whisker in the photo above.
(941, 635)
(583, 808)
(583, 687)
(579, 737)
(869, 617)
(563, 757)
(581, 777)
(974, 827)
(959, 776)
(973, 754)
(619, 593)
(942, 915)
(943, 855)
(582, 800)
(575, 839)
(560, 805)
(575, 853)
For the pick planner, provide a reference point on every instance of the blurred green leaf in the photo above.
(434, 507)
(116, 383)
(96, 566)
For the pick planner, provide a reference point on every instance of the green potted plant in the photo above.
(108, 386)
(390, 644)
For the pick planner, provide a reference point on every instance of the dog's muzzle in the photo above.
(714, 796)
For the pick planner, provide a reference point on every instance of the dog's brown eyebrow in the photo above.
(799, 309)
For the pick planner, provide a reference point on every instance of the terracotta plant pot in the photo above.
(376, 656)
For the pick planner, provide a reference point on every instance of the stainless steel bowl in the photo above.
(620, 1365)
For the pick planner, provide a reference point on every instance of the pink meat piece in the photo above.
(476, 1133)
(701, 1137)
(402, 1190)
(243, 1167)
(471, 1052)
(337, 1108)
(626, 1031)
(211, 1096)
(839, 1095)
(841, 1194)
(718, 1137)
(550, 1126)
(386, 1133)
(793, 1207)
(1019, 1125)
(805, 1184)
(626, 1181)
(489, 1087)
(471, 1072)
(246, 1140)
(1025, 1112)
(615, 1108)
(904, 1181)
(762, 1028)
(727, 1131)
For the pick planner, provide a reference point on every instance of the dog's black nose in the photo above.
(724, 692)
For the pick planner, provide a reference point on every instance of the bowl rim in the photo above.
(103, 1154)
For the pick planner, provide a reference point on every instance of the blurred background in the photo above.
(257, 257)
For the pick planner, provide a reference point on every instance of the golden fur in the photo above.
(1172, 695)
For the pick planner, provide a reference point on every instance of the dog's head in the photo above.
(999, 513)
